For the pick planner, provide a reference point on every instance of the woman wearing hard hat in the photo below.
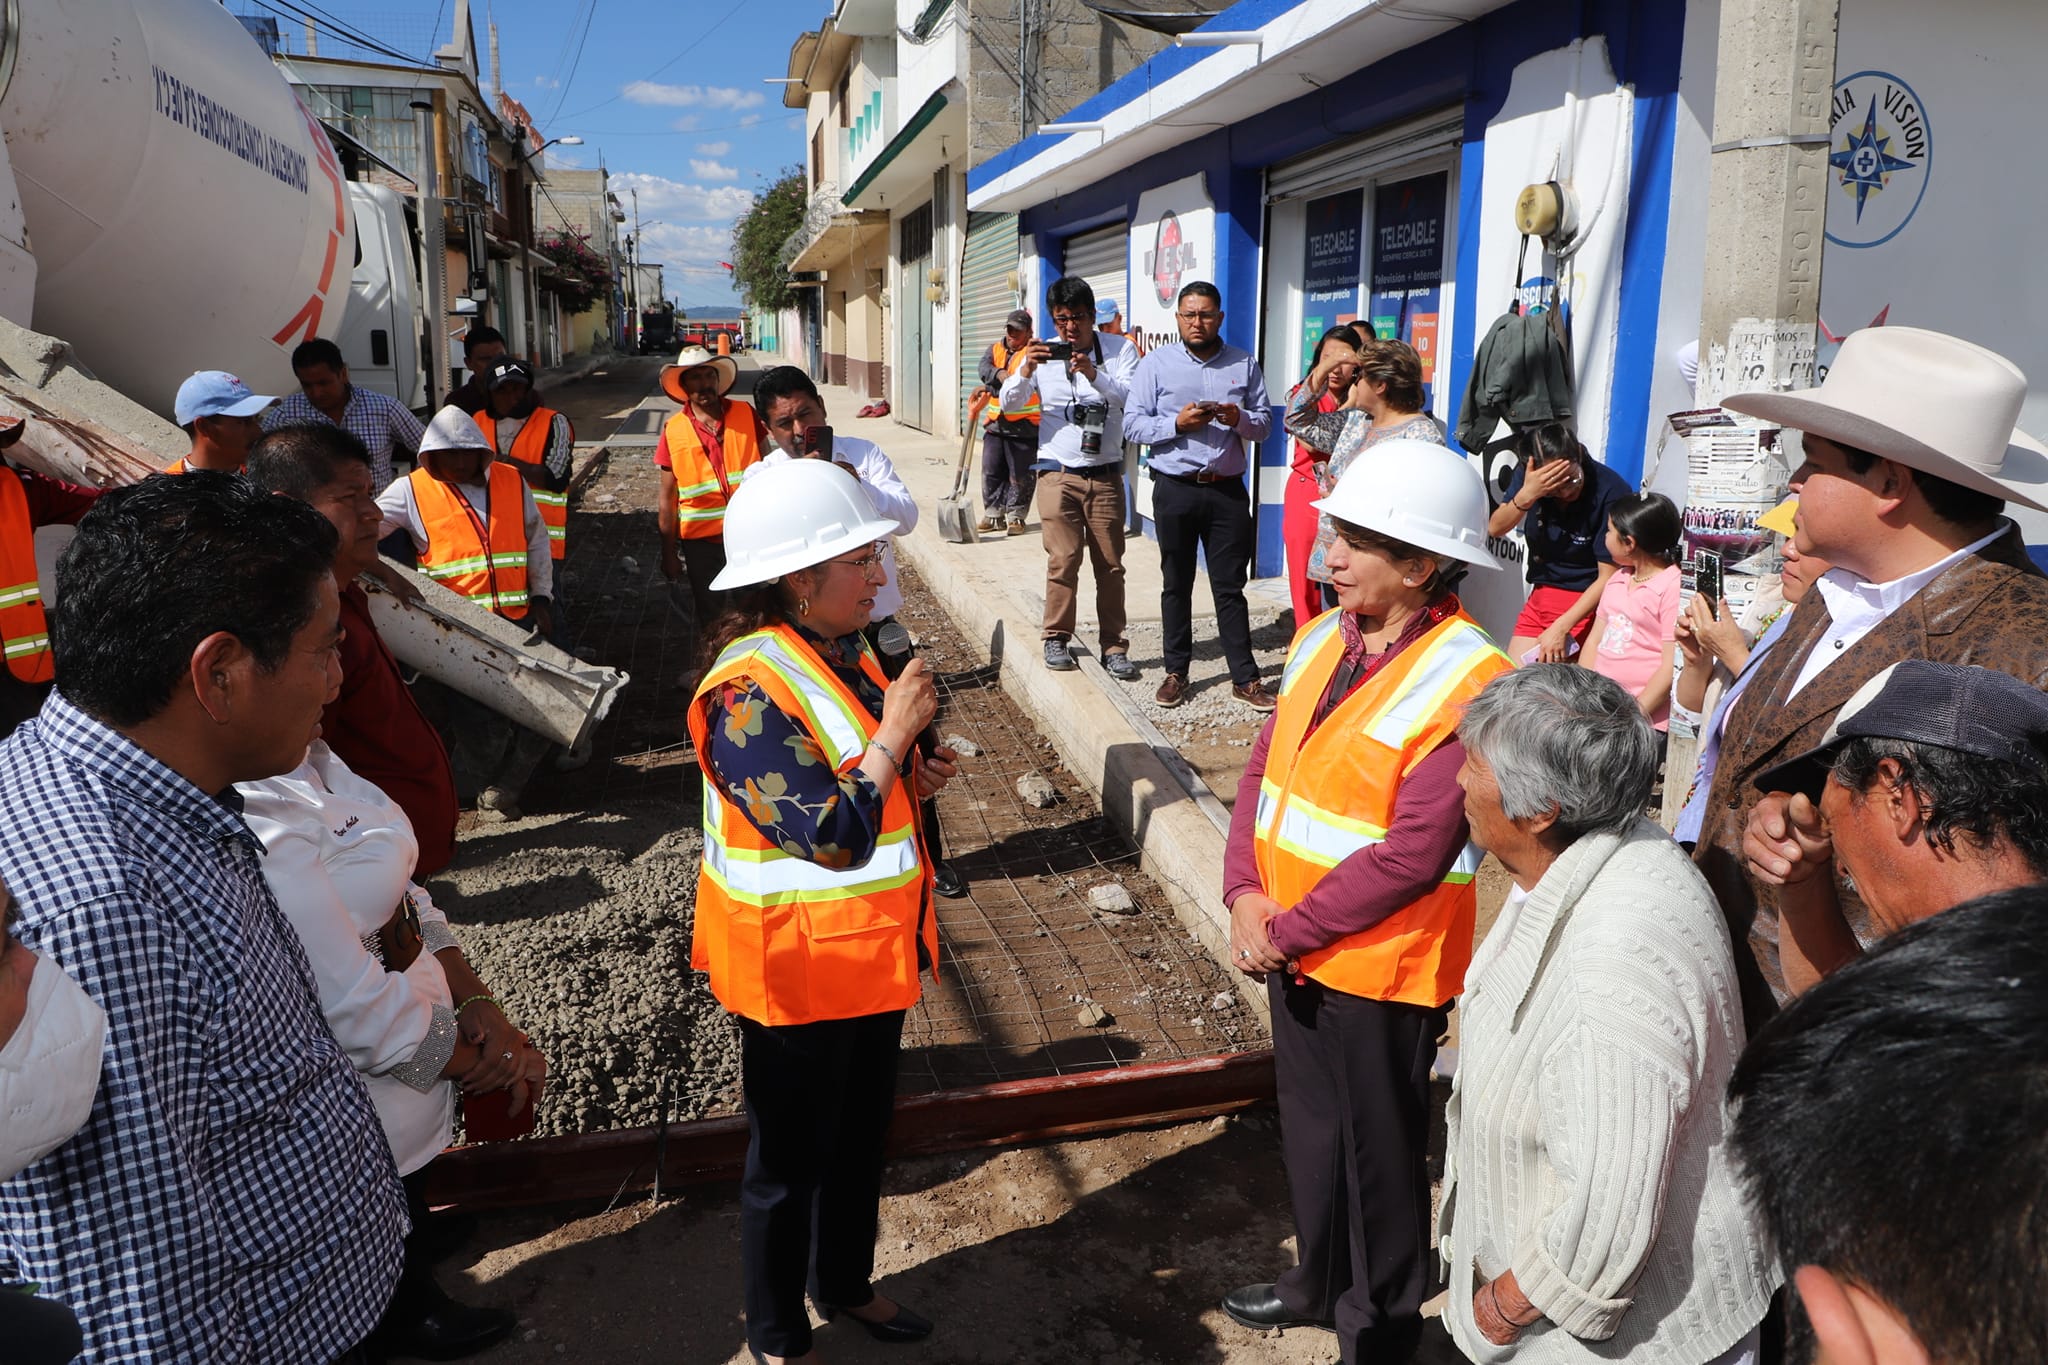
(814, 915)
(1348, 875)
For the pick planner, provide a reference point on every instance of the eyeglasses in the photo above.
(1069, 319)
(1206, 316)
(866, 561)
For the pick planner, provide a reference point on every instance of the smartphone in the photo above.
(818, 443)
(1706, 579)
(1061, 350)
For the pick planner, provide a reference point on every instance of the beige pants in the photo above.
(1075, 510)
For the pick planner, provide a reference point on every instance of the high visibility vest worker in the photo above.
(1028, 411)
(530, 446)
(486, 565)
(784, 939)
(702, 487)
(24, 631)
(1330, 794)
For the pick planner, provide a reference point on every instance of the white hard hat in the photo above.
(452, 429)
(1417, 492)
(792, 515)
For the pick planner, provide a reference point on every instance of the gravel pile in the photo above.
(581, 925)
(1210, 713)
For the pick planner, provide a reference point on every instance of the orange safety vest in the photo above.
(1028, 411)
(176, 466)
(703, 488)
(24, 631)
(1330, 794)
(787, 940)
(488, 567)
(530, 446)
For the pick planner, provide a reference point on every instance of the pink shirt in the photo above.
(1638, 620)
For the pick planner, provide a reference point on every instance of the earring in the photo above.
(803, 606)
(1407, 582)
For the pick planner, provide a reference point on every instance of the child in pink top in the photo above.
(1635, 627)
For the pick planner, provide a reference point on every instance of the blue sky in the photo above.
(671, 96)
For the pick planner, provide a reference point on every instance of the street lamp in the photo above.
(570, 141)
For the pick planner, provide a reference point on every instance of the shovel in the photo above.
(956, 510)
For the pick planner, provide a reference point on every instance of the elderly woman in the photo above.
(403, 1003)
(1349, 883)
(1589, 1209)
(1385, 404)
(814, 913)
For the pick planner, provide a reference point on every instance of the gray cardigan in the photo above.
(1587, 1143)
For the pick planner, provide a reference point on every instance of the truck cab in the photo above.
(379, 335)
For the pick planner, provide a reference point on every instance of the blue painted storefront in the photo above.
(1469, 66)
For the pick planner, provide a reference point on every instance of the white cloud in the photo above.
(546, 84)
(750, 120)
(693, 96)
(712, 170)
(714, 148)
(676, 202)
(686, 124)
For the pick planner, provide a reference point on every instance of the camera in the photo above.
(1091, 418)
(1061, 350)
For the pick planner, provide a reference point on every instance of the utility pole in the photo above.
(633, 297)
(1766, 208)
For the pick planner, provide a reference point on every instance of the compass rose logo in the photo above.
(1879, 154)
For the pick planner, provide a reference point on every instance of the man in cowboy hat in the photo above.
(1910, 457)
(704, 449)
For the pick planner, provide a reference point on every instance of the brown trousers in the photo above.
(1076, 509)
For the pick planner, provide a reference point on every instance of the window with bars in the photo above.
(381, 120)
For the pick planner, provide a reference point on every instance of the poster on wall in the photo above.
(1333, 242)
(1404, 292)
(1173, 243)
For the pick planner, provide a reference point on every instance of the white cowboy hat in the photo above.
(695, 357)
(1931, 402)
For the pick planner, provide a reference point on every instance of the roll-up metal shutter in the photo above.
(1342, 164)
(986, 293)
(1102, 258)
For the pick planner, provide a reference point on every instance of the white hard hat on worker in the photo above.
(1419, 493)
(792, 516)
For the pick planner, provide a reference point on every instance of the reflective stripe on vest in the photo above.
(785, 939)
(1028, 410)
(492, 575)
(24, 631)
(1328, 795)
(530, 446)
(700, 498)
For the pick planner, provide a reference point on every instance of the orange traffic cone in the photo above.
(725, 343)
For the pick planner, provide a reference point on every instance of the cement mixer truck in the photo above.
(167, 204)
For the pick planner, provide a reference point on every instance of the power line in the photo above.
(667, 64)
(285, 9)
(562, 91)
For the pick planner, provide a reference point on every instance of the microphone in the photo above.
(893, 642)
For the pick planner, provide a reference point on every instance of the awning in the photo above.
(861, 237)
(892, 172)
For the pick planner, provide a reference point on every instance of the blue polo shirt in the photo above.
(1568, 541)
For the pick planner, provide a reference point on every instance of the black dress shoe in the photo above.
(450, 1332)
(1256, 1305)
(947, 882)
(905, 1326)
(441, 1235)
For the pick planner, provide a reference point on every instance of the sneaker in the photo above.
(1119, 666)
(497, 804)
(1058, 657)
(1255, 695)
(1173, 691)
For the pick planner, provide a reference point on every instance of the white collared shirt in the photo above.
(885, 489)
(1856, 607)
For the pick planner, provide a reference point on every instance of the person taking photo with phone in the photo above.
(1081, 382)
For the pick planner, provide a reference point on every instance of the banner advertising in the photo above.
(1405, 289)
(1335, 228)
(1173, 243)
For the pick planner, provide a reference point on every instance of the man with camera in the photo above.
(1196, 405)
(1080, 382)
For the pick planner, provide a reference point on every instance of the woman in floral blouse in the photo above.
(1386, 405)
(813, 915)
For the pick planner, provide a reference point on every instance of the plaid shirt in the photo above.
(375, 419)
(233, 1197)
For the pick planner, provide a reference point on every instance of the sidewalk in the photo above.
(1107, 733)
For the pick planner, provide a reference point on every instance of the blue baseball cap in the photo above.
(216, 393)
(1105, 312)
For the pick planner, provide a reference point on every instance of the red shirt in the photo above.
(52, 502)
(380, 732)
(663, 460)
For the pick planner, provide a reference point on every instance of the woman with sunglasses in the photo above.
(814, 914)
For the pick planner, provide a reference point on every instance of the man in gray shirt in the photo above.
(1080, 388)
(1196, 404)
